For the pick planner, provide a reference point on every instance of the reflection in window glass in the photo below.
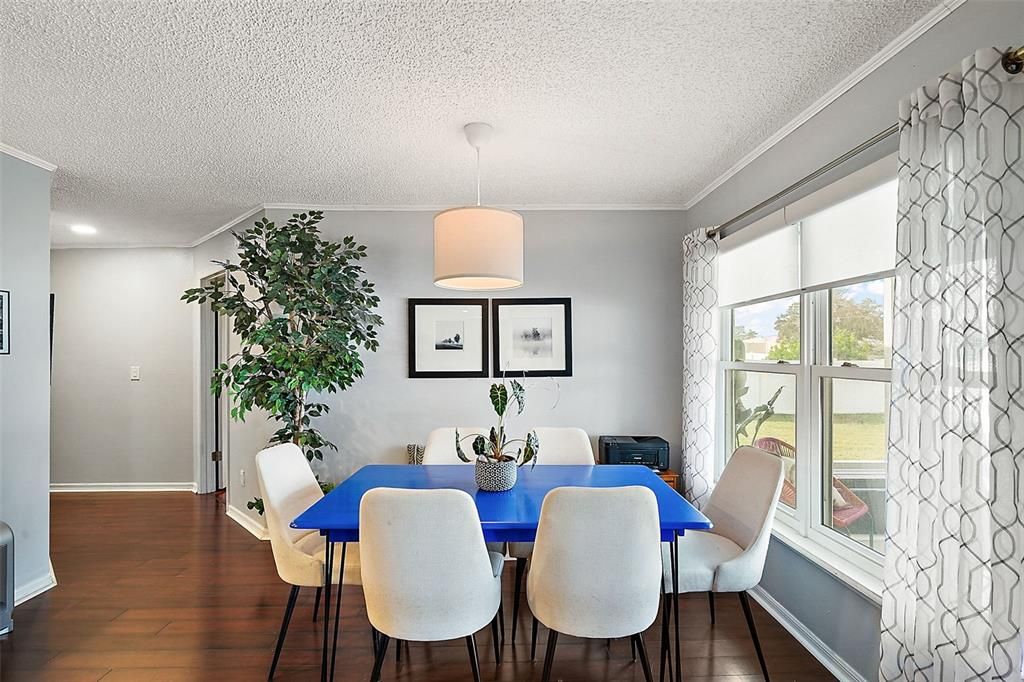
(763, 414)
(767, 332)
(862, 323)
(856, 424)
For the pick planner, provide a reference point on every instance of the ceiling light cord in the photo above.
(478, 176)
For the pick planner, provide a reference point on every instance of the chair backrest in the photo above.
(564, 445)
(596, 566)
(289, 488)
(426, 573)
(742, 505)
(440, 445)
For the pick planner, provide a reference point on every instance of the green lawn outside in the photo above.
(856, 437)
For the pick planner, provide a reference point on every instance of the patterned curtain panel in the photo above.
(954, 574)
(700, 363)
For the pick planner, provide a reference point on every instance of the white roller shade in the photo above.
(856, 237)
(841, 232)
(759, 261)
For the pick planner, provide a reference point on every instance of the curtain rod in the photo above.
(711, 232)
(1013, 63)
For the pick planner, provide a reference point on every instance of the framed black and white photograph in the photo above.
(532, 337)
(5, 322)
(447, 338)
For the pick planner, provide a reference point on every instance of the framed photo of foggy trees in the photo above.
(447, 338)
(532, 337)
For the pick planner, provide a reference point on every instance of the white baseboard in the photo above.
(128, 487)
(247, 522)
(36, 587)
(810, 641)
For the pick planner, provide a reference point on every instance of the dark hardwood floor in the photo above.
(164, 587)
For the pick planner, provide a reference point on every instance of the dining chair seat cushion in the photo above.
(702, 555)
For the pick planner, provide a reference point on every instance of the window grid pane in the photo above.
(861, 323)
(854, 449)
(762, 413)
(767, 332)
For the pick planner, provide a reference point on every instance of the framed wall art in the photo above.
(532, 337)
(5, 322)
(447, 338)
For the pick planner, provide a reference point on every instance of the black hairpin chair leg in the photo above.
(520, 570)
(638, 645)
(292, 596)
(753, 633)
(473, 659)
(549, 656)
(378, 661)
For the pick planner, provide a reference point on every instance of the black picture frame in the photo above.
(5, 322)
(498, 362)
(482, 372)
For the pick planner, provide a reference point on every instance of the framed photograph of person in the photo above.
(532, 337)
(447, 338)
(5, 322)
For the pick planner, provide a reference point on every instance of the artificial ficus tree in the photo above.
(303, 310)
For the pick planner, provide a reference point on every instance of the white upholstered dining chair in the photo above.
(731, 556)
(596, 567)
(440, 449)
(288, 488)
(427, 575)
(558, 445)
(440, 445)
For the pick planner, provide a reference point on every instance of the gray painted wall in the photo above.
(841, 617)
(623, 271)
(25, 373)
(115, 308)
(868, 108)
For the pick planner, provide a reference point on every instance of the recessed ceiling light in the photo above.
(83, 229)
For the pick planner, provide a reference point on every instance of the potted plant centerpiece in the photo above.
(498, 458)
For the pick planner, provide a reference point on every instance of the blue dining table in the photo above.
(509, 516)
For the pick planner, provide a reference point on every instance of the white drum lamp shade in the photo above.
(478, 248)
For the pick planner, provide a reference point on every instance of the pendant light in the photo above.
(478, 248)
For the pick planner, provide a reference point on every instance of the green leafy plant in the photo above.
(302, 307)
(496, 446)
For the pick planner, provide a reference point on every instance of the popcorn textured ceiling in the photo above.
(169, 118)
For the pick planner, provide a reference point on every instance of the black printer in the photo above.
(650, 451)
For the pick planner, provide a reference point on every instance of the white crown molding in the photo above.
(445, 207)
(228, 225)
(73, 247)
(367, 208)
(128, 487)
(815, 646)
(27, 158)
(246, 522)
(918, 29)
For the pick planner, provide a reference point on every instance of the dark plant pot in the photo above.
(496, 477)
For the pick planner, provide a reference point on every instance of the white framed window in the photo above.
(805, 366)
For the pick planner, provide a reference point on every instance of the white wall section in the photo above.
(25, 373)
(114, 309)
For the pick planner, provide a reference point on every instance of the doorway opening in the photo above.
(213, 344)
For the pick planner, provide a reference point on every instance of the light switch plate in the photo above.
(135, 374)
